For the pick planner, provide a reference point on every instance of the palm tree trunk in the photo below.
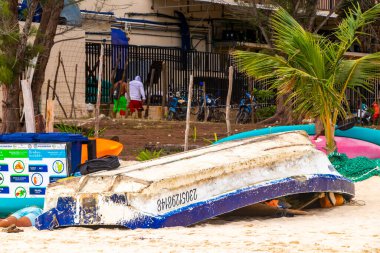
(329, 134)
(283, 113)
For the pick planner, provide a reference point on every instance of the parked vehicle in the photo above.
(177, 107)
(213, 107)
(363, 115)
(247, 102)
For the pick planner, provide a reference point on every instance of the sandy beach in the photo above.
(349, 228)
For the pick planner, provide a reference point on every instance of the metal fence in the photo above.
(209, 68)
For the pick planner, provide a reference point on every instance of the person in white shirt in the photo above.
(137, 95)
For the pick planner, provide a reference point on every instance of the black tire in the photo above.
(246, 117)
(238, 117)
(200, 115)
(220, 116)
(170, 116)
(242, 117)
(194, 107)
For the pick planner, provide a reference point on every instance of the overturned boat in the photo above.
(189, 187)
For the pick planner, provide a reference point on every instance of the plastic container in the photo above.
(27, 183)
(74, 140)
(18, 137)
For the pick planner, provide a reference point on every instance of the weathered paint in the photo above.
(64, 214)
(194, 185)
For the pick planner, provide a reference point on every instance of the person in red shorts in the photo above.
(137, 95)
(376, 112)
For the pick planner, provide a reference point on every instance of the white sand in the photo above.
(341, 229)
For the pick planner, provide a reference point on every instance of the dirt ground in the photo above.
(136, 134)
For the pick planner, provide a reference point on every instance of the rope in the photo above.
(356, 169)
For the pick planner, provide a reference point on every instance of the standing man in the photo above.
(119, 100)
(137, 95)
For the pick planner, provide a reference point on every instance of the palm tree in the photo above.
(312, 68)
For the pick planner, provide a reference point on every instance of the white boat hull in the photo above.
(186, 188)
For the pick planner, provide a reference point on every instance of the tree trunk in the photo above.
(283, 115)
(11, 92)
(11, 108)
(45, 39)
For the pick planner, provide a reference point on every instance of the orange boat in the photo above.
(103, 147)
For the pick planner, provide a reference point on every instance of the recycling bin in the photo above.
(29, 162)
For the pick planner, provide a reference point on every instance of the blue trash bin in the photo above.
(24, 170)
(74, 140)
(18, 138)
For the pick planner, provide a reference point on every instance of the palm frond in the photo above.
(257, 65)
(352, 74)
(349, 28)
(301, 47)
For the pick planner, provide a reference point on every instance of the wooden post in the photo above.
(164, 90)
(28, 98)
(47, 96)
(60, 104)
(28, 106)
(97, 108)
(188, 114)
(204, 103)
(65, 76)
(148, 93)
(56, 74)
(228, 102)
(74, 89)
(50, 116)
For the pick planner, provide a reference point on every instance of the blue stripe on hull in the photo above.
(63, 215)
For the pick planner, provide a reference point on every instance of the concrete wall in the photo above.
(72, 47)
(153, 34)
(71, 44)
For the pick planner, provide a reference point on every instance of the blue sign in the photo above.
(37, 190)
(38, 168)
(53, 179)
(39, 154)
(4, 190)
(19, 178)
(4, 167)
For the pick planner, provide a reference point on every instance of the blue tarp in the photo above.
(119, 42)
(70, 12)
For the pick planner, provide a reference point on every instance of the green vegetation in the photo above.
(312, 69)
(265, 112)
(263, 96)
(88, 132)
(146, 154)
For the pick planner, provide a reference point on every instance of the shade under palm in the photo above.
(311, 69)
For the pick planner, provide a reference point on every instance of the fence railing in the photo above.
(209, 68)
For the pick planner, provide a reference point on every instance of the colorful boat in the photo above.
(350, 146)
(103, 147)
(189, 187)
(357, 141)
(360, 133)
